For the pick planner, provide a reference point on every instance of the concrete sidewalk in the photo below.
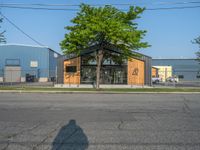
(101, 86)
(92, 92)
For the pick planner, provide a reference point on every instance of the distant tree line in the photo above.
(197, 41)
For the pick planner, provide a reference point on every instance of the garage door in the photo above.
(12, 74)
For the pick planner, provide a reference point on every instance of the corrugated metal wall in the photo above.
(41, 57)
(148, 65)
(188, 68)
(53, 57)
(60, 69)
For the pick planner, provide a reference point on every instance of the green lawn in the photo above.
(51, 89)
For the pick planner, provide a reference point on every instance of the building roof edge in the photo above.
(17, 44)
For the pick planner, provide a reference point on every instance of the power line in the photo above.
(157, 3)
(40, 8)
(25, 4)
(177, 3)
(168, 8)
(21, 30)
(66, 9)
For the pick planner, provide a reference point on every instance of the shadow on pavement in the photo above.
(70, 137)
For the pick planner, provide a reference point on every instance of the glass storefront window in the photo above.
(109, 74)
(113, 69)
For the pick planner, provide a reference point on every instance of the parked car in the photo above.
(172, 79)
(156, 80)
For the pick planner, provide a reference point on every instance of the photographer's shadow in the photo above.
(70, 137)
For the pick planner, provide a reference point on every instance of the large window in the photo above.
(113, 69)
(110, 58)
(12, 62)
(181, 76)
(88, 74)
(198, 76)
(114, 75)
(70, 69)
(109, 74)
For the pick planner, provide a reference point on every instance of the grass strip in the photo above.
(120, 90)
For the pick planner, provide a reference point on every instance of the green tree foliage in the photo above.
(2, 38)
(197, 41)
(98, 25)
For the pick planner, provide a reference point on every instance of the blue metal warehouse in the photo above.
(24, 63)
(184, 69)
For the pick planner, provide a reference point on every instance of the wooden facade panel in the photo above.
(154, 72)
(135, 72)
(72, 77)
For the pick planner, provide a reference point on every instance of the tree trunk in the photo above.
(99, 59)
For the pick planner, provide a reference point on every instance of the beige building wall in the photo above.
(164, 72)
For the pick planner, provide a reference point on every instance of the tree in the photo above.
(197, 41)
(2, 38)
(99, 25)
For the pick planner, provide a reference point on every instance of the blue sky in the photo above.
(170, 32)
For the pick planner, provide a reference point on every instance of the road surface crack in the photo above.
(120, 125)
(47, 137)
(186, 107)
(16, 134)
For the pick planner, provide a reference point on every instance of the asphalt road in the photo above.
(99, 121)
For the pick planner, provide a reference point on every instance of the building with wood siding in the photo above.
(154, 72)
(82, 69)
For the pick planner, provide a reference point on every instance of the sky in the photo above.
(169, 32)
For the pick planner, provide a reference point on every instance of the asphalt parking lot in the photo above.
(99, 121)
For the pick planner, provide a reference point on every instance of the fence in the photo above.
(44, 77)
